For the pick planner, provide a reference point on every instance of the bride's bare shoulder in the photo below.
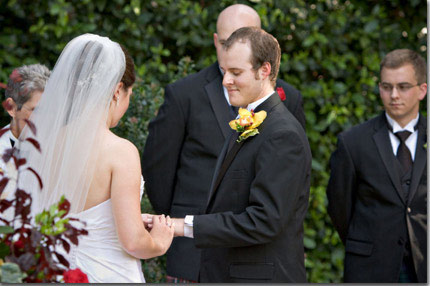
(115, 147)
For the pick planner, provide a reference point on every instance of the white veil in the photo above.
(69, 118)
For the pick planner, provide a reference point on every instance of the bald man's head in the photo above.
(232, 18)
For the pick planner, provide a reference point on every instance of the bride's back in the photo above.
(100, 186)
(113, 150)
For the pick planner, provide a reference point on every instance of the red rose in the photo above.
(75, 276)
(281, 93)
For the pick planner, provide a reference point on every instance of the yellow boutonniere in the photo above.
(247, 123)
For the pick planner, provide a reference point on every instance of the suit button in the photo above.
(409, 210)
(407, 246)
(408, 182)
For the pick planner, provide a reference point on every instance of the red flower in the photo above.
(19, 244)
(2, 85)
(281, 93)
(75, 276)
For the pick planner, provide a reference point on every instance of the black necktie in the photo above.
(403, 153)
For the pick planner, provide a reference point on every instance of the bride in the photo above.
(99, 173)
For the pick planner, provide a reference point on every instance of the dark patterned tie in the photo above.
(403, 153)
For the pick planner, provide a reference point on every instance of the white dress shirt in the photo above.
(411, 142)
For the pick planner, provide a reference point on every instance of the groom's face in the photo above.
(243, 83)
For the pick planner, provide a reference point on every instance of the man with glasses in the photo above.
(377, 190)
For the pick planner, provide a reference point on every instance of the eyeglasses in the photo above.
(401, 87)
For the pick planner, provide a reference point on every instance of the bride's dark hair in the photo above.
(129, 76)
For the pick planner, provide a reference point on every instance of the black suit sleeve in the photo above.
(341, 188)
(298, 111)
(293, 101)
(277, 197)
(162, 150)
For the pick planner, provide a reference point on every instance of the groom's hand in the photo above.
(147, 221)
(179, 226)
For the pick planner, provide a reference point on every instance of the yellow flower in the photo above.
(247, 123)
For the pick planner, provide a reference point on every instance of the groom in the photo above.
(252, 230)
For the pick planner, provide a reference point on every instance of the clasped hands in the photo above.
(176, 223)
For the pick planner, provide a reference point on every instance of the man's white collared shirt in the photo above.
(411, 142)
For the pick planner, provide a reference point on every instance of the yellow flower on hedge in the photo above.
(247, 123)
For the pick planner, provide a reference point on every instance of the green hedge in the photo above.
(331, 53)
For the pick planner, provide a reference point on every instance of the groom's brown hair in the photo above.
(264, 48)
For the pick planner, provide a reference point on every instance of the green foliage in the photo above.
(52, 222)
(10, 273)
(331, 51)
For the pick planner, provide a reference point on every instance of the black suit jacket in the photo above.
(181, 151)
(367, 204)
(253, 227)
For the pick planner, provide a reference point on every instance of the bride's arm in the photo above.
(125, 195)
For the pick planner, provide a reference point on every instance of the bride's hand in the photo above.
(162, 231)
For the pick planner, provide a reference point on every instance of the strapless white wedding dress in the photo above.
(99, 254)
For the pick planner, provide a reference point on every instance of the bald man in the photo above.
(186, 137)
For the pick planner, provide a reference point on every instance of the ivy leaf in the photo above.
(3, 183)
(34, 143)
(6, 229)
(37, 176)
(4, 250)
(31, 126)
(62, 260)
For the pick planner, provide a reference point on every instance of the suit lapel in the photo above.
(227, 159)
(269, 103)
(226, 156)
(382, 141)
(420, 158)
(219, 162)
(217, 99)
